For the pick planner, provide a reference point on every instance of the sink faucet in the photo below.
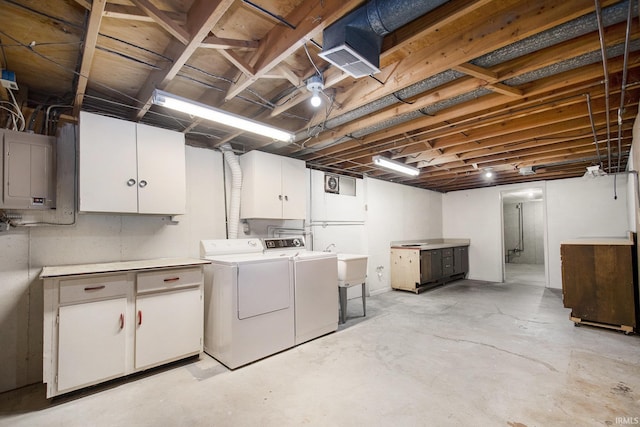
(328, 248)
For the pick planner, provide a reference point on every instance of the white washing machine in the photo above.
(315, 287)
(249, 301)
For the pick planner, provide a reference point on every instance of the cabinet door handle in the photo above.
(139, 317)
(286, 198)
(142, 184)
(93, 288)
(279, 196)
(131, 182)
(171, 279)
(121, 321)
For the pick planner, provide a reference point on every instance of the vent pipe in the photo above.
(236, 186)
(353, 43)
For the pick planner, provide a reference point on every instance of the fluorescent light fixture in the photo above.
(395, 166)
(198, 109)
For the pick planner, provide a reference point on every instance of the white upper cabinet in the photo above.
(161, 171)
(126, 167)
(273, 187)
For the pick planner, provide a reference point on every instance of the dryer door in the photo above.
(263, 287)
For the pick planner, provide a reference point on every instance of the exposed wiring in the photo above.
(77, 73)
(144, 49)
(18, 111)
(270, 14)
(54, 18)
(311, 60)
(130, 58)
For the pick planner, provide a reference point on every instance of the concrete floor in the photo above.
(468, 353)
(528, 274)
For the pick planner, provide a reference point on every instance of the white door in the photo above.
(161, 171)
(91, 342)
(108, 180)
(169, 326)
(294, 186)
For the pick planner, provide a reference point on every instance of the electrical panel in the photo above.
(28, 171)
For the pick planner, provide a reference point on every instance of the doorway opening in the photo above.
(523, 232)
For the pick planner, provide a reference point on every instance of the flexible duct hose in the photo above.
(236, 186)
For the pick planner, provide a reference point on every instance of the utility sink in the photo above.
(352, 269)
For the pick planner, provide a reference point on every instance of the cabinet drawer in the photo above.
(447, 252)
(93, 288)
(169, 279)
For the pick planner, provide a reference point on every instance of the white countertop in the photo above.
(426, 244)
(108, 267)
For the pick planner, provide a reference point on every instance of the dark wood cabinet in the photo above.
(460, 260)
(598, 282)
(414, 268)
(430, 265)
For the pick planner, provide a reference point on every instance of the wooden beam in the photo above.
(475, 71)
(132, 13)
(531, 89)
(288, 74)
(163, 20)
(396, 41)
(505, 23)
(310, 18)
(91, 38)
(239, 63)
(414, 32)
(213, 42)
(505, 90)
(84, 3)
(201, 18)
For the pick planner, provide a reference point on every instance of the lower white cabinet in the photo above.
(91, 343)
(104, 321)
(163, 334)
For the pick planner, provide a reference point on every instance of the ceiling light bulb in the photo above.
(315, 85)
(488, 174)
(315, 99)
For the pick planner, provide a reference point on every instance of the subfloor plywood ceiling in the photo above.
(529, 90)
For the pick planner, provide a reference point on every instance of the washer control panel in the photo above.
(284, 243)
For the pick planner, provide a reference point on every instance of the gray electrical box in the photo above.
(28, 171)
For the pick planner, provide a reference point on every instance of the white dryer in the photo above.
(249, 302)
(315, 287)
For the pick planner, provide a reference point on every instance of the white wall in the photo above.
(95, 238)
(532, 248)
(397, 212)
(475, 215)
(574, 207)
(583, 207)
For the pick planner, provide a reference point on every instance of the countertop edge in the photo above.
(118, 266)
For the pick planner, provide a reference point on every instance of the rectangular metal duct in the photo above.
(354, 51)
(353, 43)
